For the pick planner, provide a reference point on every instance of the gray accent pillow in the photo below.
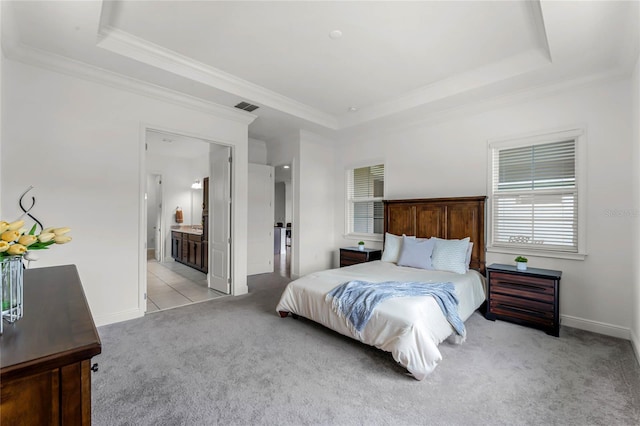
(416, 253)
(392, 246)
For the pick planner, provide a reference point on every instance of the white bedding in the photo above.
(411, 328)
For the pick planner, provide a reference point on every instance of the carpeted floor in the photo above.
(233, 361)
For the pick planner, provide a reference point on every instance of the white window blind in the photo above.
(535, 196)
(365, 191)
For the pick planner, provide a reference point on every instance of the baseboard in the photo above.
(117, 317)
(596, 327)
(635, 344)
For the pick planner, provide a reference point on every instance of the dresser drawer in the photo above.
(521, 286)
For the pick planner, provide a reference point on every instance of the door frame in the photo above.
(237, 271)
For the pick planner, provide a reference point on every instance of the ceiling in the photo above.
(393, 61)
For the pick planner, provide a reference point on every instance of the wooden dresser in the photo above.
(530, 297)
(353, 255)
(45, 367)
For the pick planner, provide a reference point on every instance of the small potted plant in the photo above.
(361, 245)
(521, 263)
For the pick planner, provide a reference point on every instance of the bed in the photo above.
(410, 328)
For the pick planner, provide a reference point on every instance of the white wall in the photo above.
(635, 186)
(450, 159)
(80, 144)
(313, 221)
(257, 151)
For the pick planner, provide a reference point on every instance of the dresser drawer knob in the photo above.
(94, 367)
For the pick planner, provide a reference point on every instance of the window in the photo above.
(365, 211)
(534, 187)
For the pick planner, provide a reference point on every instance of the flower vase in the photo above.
(12, 289)
(521, 266)
(361, 247)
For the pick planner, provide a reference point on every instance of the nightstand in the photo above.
(352, 255)
(529, 298)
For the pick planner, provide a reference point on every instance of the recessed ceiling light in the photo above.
(335, 34)
(353, 109)
(285, 167)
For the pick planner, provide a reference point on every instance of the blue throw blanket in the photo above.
(356, 300)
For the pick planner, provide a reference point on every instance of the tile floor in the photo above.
(172, 284)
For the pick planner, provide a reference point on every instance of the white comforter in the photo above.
(411, 328)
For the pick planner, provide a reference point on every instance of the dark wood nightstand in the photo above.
(529, 298)
(352, 255)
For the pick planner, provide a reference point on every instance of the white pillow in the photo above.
(467, 261)
(392, 246)
(416, 252)
(450, 255)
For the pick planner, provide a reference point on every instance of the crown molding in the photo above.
(32, 56)
(125, 44)
(486, 104)
(454, 85)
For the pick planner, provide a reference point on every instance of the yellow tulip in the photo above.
(3, 226)
(10, 236)
(61, 239)
(61, 231)
(14, 226)
(45, 237)
(27, 240)
(4, 246)
(17, 249)
(47, 230)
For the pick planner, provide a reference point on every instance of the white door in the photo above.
(154, 214)
(158, 219)
(220, 219)
(260, 219)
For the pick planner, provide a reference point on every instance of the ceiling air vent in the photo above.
(246, 106)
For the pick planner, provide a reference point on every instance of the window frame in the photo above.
(578, 134)
(349, 234)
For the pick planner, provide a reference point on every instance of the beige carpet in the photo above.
(233, 361)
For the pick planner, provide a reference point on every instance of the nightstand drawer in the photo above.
(534, 288)
(352, 255)
(533, 305)
(522, 313)
(522, 279)
(356, 256)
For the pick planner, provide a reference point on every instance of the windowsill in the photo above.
(363, 237)
(537, 253)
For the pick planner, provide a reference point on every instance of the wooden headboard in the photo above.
(448, 218)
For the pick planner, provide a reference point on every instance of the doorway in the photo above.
(188, 264)
(283, 214)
